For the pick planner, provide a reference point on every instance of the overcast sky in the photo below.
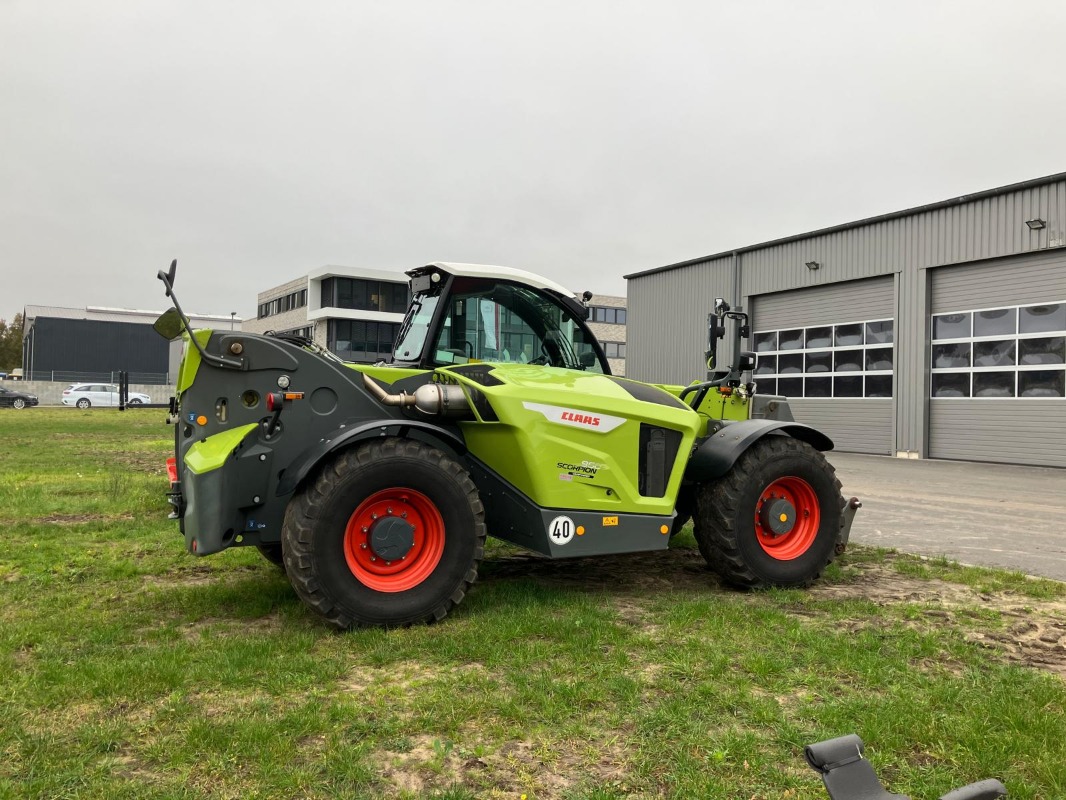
(255, 141)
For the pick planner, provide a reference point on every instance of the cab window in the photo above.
(509, 323)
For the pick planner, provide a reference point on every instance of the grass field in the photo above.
(131, 669)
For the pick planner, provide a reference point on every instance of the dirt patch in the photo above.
(78, 519)
(546, 770)
(197, 575)
(227, 627)
(145, 463)
(1035, 633)
(404, 675)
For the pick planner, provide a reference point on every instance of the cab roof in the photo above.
(488, 271)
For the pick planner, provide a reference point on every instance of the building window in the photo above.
(284, 303)
(845, 360)
(611, 316)
(365, 295)
(306, 332)
(357, 340)
(614, 349)
(1017, 351)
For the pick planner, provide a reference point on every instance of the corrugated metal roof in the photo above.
(955, 201)
(103, 314)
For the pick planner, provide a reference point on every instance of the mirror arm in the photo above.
(221, 361)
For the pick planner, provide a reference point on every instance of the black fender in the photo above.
(343, 437)
(716, 454)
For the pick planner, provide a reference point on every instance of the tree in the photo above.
(11, 344)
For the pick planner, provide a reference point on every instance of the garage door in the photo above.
(998, 361)
(830, 349)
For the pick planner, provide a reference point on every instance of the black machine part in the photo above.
(716, 454)
(847, 775)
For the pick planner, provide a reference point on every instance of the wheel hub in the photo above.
(394, 539)
(787, 518)
(777, 516)
(391, 537)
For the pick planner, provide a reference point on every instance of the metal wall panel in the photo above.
(851, 301)
(1013, 431)
(986, 228)
(667, 321)
(1036, 278)
(78, 345)
(855, 426)
(1023, 431)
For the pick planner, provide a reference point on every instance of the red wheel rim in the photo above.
(803, 514)
(413, 567)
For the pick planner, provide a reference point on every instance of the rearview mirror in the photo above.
(169, 325)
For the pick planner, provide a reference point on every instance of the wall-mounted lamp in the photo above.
(813, 265)
(1035, 224)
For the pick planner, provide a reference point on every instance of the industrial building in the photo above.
(96, 343)
(356, 313)
(933, 332)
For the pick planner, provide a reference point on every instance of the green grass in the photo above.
(130, 669)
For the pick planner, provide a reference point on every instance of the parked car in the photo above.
(84, 395)
(8, 397)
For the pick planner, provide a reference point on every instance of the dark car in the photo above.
(9, 397)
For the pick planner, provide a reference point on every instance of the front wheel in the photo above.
(390, 533)
(83, 403)
(136, 402)
(774, 518)
(19, 403)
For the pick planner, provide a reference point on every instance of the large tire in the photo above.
(272, 553)
(774, 518)
(83, 403)
(352, 568)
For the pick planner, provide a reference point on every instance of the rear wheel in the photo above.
(83, 403)
(390, 533)
(774, 518)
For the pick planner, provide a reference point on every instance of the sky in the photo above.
(257, 140)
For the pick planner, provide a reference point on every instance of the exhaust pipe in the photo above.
(432, 399)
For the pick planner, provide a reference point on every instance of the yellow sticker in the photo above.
(609, 521)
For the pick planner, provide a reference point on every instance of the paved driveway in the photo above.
(988, 514)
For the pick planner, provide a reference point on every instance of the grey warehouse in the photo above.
(933, 332)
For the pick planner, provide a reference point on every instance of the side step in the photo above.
(847, 775)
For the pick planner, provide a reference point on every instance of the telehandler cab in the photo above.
(374, 486)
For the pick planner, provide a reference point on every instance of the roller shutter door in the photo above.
(830, 349)
(997, 361)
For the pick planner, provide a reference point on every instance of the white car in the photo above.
(85, 395)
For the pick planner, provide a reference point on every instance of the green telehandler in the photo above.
(374, 486)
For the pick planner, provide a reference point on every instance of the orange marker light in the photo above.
(201, 420)
(664, 529)
(580, 530)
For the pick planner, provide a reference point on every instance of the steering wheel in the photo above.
(550, 354)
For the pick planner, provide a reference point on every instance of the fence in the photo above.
(144, 378)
